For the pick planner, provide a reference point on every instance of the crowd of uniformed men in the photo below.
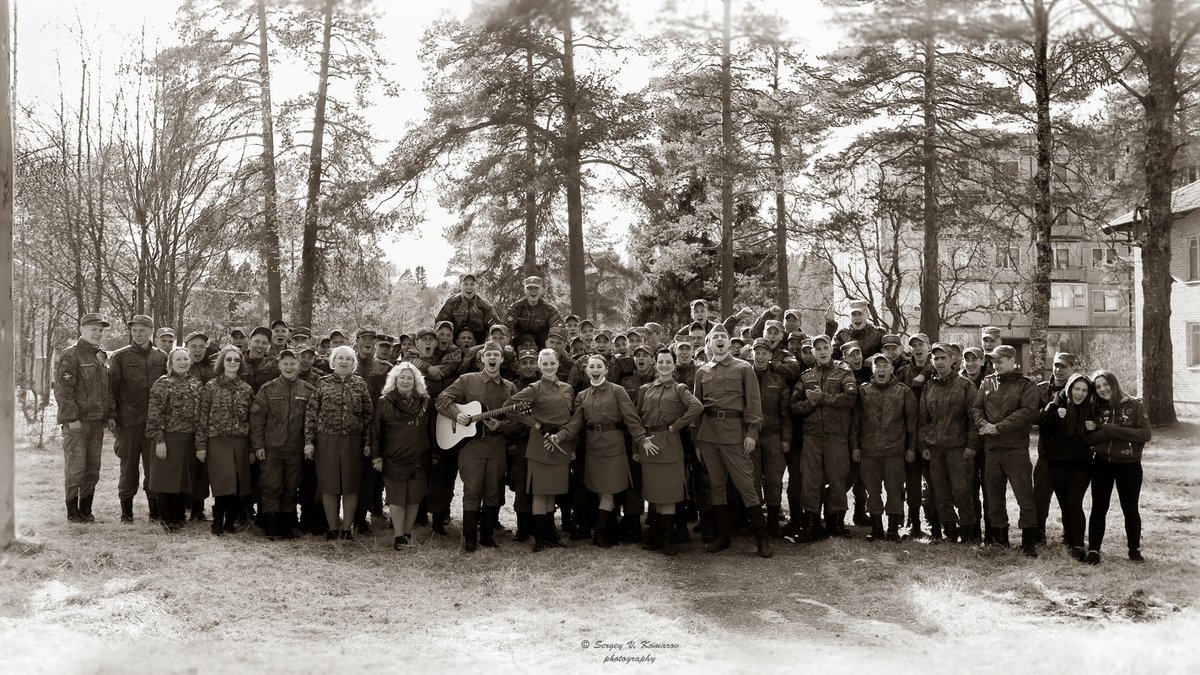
(701, 423)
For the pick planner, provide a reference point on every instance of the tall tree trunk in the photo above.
(308, 254)
(1043, 221)
(1159, 103)
(530, 265)
(270, 231)
(930, 268)
(573, 171)
(781, 260)
(726, 164)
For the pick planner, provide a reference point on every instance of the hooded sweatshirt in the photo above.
(1063, 439)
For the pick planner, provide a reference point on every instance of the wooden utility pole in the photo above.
(8, 440)
(726, 165)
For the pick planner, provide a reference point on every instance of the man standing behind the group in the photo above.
(465, 308)
(164, 339)
(374, 371)
(1062, 369)
(84, 409)
(131, 371)
(868, 336)
(1004, 410)
(990, 337)
(532, 315)
(728, 434)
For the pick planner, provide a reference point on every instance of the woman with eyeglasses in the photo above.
(222, 439)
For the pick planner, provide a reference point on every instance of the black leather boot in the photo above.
(488, 517)
(773, 527)
(1000, 536)
(1029, 537)
(523, 524)
(678, 533)
(893, 530)
(653, 542)
(804, 528)
(720, 540)
(152, 506)
(758, 525)
(438, 524)
(232, 513)
(85, 509)
(287, 520)
(73, 510)
(877, 533)
(708, 531)
(127, 510)
(198, 511)
(914, 519)
(539, 533)
(951, 530)
(218, 515)
(270, 523)
(600, 538)
(667, 525)
(973, 535)
(860, 517)
(935, 525)
(631, 528)
(470, 531)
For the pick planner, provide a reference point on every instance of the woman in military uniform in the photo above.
(547, 461)
(666, 406)
(337, 428)
(400, 449)
(171, 421)
(603, 411)
(222, 439)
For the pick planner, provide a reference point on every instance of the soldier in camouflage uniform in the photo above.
(84, 409)
(532, 315)
(277, 438)
(775, 435)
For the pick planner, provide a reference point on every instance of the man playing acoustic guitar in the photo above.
(481, 461)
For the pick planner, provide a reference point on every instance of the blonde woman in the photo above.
(400, 446)
(337, 434)
(171, 422)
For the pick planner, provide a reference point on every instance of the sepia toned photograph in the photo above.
(591, 336)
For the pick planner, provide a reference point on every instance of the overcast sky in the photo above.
(45, 44)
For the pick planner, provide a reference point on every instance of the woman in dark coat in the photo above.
(666, 406)
(547, 462)
(222, 439)
(337, 430)
(604, 412)
(1122, 431)
(171, 421)
(1064, 424)
(400, 448)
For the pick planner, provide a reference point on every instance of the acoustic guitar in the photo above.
(451, 435)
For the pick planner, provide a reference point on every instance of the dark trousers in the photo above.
(916, 472)
(370, 494)
(1128, 480)
(81, 459)
(978, 494)
(857, 487)
(441, 481)
(1043, 487)
(312, 513)
(280, 479)
(134, 450)
(1070, 481)
(697, 474)
(515, 476)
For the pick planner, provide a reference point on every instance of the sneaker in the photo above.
(1093, 558)
(1136, 555)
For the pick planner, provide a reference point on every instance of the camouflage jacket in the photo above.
(259, 371)
(340, 407)
(278, 412)
(536, 320)
(131, 372)
(81, 384)
(224, 410)
(375, 372)
(174, 406)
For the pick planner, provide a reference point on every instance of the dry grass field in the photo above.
(113, 598)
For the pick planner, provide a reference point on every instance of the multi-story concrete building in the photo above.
(1185, 295)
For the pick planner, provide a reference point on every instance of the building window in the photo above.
(1194, 259)
(1193, 344)
(1008, 257)
(1103, 256)
(1062, 258)
(1067, 296)
(1104, 302)
(1006, 299)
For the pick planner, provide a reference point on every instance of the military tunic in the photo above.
(666, 408)
(732, 413)
(482, 461)
(553, 404)
(277, 428)
(600, 412)
(825, 455)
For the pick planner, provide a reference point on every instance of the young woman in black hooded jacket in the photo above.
(1064, 425)
(1122, 431)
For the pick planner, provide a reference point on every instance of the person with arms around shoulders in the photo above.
(1122, 432)
(1063, 426)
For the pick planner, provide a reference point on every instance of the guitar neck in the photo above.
(493, 413)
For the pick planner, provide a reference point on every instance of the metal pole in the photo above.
(8, 531)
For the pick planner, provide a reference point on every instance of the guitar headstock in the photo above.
(523, 407)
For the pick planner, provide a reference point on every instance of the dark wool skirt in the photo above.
(606, 474)
(663, 482)
(171, 475)
(339, 461)
(546, 479)
(406, 492)
(228, 462)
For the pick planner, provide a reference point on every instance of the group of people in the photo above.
(629, 436)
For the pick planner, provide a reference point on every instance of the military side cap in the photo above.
(558, 332)
(261, 330)
(941, 347)
(642, 349)
(337, 331)
(603, 333)
(365, 332)
(1065, 358)
(1003, 350)
(772, 323)
(974, 350)
(533, 281)
(94, 317)
(850, 346)
(859, 305)
(287, 351)
(762, 342)
(438, 326)
(280, 322)
(821, 338)
(235, 332)
(571, 317)
(891, 339)
(165, 330)
(193, 335)
(141, 319)
(880, 356)
(302, 331)
(918, 336)
(422, 332)
(991, 331)
(491, 346)
(717, 330)
(499, 327)
(528, 354)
